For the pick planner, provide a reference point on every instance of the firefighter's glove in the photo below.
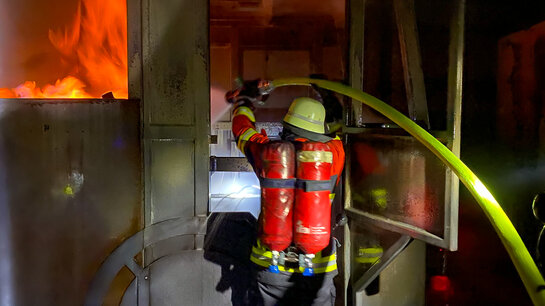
(249, 93)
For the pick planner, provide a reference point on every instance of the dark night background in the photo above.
(481, 270)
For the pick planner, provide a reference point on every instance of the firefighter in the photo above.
(295, 256)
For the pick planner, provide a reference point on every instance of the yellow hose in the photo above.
(525, 265)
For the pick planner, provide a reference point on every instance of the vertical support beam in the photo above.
(176, 108)
(134, 53)
(356, 48)
(202, 110)
(134, 48)
(355, 56)
(412, 64)
(175, 93)
(135, 86)
(454, 116)
(347, 246)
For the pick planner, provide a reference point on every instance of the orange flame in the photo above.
(95, 46)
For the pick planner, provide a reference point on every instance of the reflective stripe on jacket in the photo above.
(369, 254)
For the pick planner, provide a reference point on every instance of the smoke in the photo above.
(218, 106)
(525, 176)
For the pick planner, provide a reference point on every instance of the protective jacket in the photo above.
(253, 144)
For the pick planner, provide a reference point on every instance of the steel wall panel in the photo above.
(172, 180)
(71, 193)
(176, 278)
(170, 246)
(179, 57)
(185, 277)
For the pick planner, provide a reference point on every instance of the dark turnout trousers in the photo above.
(293, 288)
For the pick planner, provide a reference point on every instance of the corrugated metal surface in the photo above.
(71, 192)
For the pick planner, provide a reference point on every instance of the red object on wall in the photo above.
(440, 290)
(312, 212)
(440, 283)
(276, 225)
(521, 83)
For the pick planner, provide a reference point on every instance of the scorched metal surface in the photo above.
(70, 193)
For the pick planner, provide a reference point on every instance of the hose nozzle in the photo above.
(252, 91)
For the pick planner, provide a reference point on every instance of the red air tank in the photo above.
(312, 211)
(277, 179)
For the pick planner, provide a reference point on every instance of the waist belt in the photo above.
(321, 264)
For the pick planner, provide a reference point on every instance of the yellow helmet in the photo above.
(307, 114)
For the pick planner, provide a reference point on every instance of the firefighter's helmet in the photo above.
(307, 114)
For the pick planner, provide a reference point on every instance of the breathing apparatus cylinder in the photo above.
(312, 211)
(277, 178)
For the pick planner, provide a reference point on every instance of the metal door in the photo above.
(385, 205)
(168, 52)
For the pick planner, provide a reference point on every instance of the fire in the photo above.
(95, 46)
(69, 87)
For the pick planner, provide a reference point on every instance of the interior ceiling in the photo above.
(263, 11)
